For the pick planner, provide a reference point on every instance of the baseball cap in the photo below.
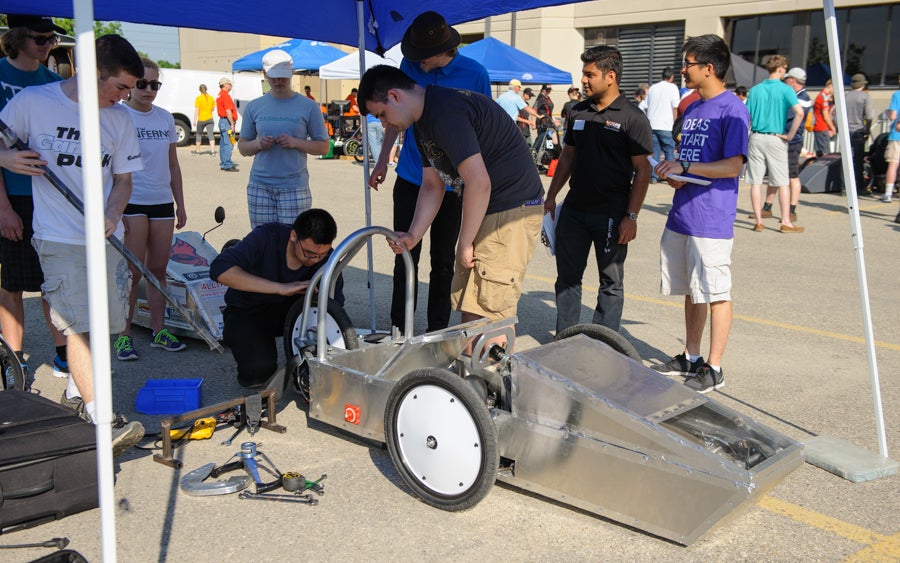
(514, 83)
(278, 64)
(528, 91)
(797, 74)
(858, 80)
(546, 87)
(224, 80)
(34, 23)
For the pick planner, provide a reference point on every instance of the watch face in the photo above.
(632, 216)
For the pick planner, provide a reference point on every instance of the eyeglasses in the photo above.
(142, 84)
(689, 64)
(311, 255)
(41, 40)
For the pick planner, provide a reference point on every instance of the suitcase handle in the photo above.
(32, 491)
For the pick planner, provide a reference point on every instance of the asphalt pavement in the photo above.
(796, 361)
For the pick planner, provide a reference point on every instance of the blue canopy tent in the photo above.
(505, 63)
(308, 56)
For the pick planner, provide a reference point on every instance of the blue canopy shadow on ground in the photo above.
(308, 56)
(505, 63)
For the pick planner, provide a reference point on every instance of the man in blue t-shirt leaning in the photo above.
(695, 250)
(430, 57)
(27, 43)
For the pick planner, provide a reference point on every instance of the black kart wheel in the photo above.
(441, 439)
(229, 243)
(341, 334)
(358, 154)
(10, 368)
(605, 335)
(351, 146)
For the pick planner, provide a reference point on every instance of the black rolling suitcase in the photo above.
(48, 464)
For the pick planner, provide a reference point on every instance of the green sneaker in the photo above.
(125, 351)
(167, 341)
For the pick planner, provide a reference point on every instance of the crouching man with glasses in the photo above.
(265, 273)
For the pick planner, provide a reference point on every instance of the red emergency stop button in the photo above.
(351, 413)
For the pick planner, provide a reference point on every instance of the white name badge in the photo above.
(579, 125)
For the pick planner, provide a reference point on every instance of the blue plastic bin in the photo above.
(169, 396)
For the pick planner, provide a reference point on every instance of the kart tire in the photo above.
(605, 335)
(441, 439)
(10, 363)
(341, 332)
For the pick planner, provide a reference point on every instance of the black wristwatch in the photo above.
(685, 166)
(632, 216)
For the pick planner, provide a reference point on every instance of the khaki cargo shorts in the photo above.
(503, 247)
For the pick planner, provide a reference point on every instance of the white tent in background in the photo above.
(347, 68)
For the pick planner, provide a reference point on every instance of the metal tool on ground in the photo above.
(58, 543)
(305, 499)
(315, 486)
(201, 481)
(12, 141)
(268, 423)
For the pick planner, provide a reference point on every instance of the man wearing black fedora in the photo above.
(430, 57)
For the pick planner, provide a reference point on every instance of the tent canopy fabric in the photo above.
(347, 67)
(307, 55)
(384, 21)
(504, 63)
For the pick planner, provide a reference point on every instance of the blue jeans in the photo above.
(376, 137)
(663, 142)
(575, 233)
(225, 146)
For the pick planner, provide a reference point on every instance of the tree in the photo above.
(167, 64)
(100, 28)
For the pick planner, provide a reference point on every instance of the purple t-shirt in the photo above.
(712, 130)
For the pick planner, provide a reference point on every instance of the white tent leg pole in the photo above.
(91, 177)
(837, 76)
(363, 130)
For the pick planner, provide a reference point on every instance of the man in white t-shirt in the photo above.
(59, 231)
(662, 104)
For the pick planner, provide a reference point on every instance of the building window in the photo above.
(646, 50)
(864, 34)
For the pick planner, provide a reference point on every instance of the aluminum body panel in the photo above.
(587, 429)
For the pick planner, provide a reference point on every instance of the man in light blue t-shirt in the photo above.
(768, 103)
(892, 150)
(279, 130)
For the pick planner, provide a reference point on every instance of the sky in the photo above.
(160, 43)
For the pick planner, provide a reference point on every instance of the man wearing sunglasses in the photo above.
(27, 43)
(46, 118)
(265, 273)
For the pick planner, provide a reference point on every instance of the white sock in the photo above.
(72, 389)
(717, 369)
(888, 191)
(91, 409)
(691, 358)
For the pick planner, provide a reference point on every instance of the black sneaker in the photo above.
(679, 365)
(706, 379)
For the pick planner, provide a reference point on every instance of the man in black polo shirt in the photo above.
(606, 146)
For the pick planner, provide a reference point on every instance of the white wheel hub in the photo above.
(333, 333)
(438, 440)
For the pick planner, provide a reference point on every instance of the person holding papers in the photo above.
(695, 251)
(607, 143)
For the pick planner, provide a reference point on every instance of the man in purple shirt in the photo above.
(695, 251)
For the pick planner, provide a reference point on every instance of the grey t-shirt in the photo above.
(859, 107)
(457, 124)
(297, 116)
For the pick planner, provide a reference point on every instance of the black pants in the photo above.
(251, 334)
(444, 233)
(576, 231)
(858, 149)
